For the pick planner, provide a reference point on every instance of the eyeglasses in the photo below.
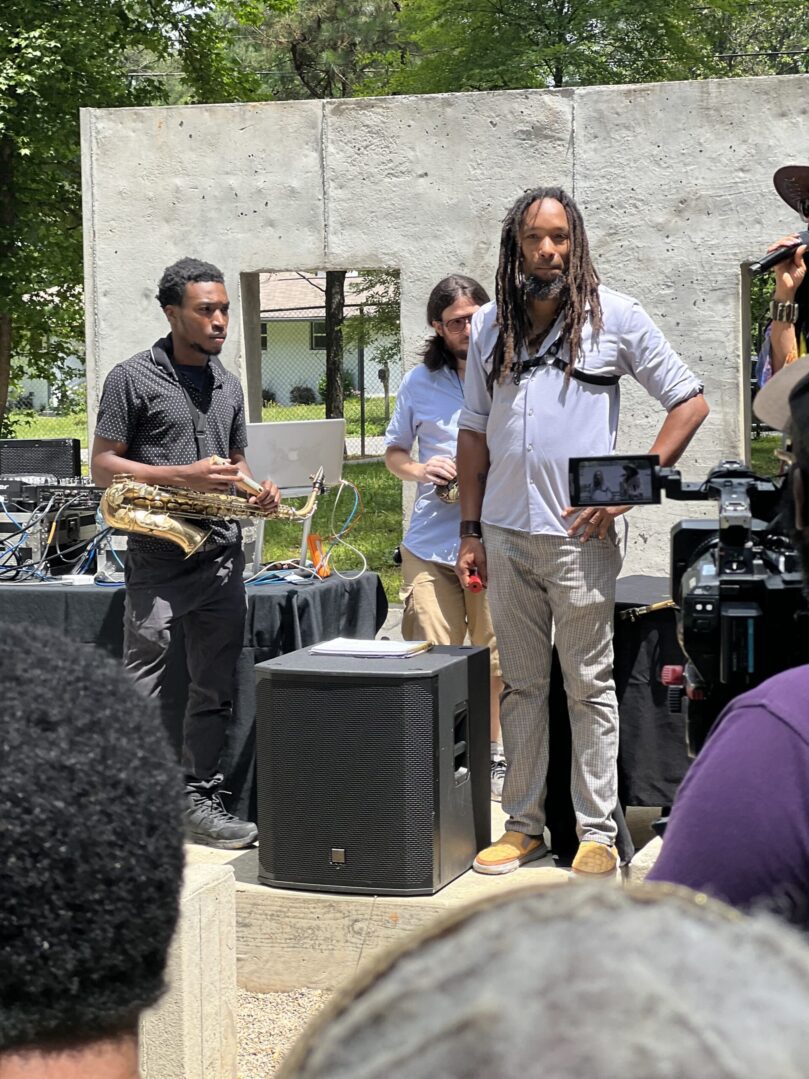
(455, 325)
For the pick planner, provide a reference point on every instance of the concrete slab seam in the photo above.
(361, 951)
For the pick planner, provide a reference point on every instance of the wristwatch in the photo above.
(783, 312)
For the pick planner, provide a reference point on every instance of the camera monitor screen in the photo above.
(614, 481)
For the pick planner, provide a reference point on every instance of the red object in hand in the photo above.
(474, 583)
(672, 675)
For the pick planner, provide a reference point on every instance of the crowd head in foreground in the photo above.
(575, 981)
(90, 859)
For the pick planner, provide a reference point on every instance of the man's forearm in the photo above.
(107, 465)
(473, 468)
(679, 427)
(401, 464)
(783, 345)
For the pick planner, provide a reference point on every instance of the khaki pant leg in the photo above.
(433, 602)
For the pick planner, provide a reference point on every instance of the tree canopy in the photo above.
(57, 56)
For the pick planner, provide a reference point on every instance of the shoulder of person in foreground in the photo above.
(739, 827)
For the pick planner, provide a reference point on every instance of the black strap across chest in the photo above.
(551, 358)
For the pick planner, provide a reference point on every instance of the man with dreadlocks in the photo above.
(541, 386)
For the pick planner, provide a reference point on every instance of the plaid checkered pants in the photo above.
(546, 589)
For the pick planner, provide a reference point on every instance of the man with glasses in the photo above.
(428, 404)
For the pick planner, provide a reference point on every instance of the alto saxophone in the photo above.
(163, 512)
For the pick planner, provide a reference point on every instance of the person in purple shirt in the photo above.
(739, 827)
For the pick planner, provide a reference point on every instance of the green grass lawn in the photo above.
(762, 455)
(36, 425)
(75, 425)
(376, 533)
(375, 418)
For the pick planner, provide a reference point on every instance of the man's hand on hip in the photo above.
(593, 521)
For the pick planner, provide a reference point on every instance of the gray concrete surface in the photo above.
(674, 179)
(191, 1032)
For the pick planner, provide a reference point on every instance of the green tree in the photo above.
(318, 48)
(378, 322)
(455, 45)
(57, 56)
(321, 49)
(760, 39)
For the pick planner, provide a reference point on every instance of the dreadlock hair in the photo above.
(447, 292)
(171, 287)
(582, 281)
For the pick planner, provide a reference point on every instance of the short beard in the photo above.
(205, 351)
(534, 288)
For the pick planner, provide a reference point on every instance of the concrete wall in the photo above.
(674, 179)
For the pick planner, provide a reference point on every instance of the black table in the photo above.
(281, 618)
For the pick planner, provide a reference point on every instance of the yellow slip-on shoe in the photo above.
(512, 850)
(595, 860)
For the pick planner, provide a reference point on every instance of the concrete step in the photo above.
(288, 939)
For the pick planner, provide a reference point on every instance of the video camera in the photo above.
(736, 582)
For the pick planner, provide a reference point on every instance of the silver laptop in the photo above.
(290, 451)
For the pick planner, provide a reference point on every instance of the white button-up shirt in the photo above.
(428, 404)
(533, 428)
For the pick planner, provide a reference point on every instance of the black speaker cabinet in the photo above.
(59, 457)
(373, 774)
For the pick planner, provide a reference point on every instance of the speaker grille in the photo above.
(59, 457)
(361, 779)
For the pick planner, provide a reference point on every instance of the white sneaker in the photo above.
(498, 774)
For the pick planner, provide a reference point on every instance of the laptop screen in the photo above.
(289, 452)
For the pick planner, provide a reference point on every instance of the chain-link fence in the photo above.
(39, 410)
(293, 380)
(294, 341)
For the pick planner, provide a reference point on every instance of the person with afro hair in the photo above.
(91, 860)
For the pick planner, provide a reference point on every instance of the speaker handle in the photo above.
(460, 727)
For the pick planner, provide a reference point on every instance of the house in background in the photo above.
(293, 336)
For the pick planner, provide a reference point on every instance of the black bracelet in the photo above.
(471, 530)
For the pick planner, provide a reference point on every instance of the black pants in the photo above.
(203, 594)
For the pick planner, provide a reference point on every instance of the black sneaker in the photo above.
(208, 822)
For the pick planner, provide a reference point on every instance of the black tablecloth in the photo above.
(652, 757)
(280, 618)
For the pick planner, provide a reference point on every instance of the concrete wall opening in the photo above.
(286, 328)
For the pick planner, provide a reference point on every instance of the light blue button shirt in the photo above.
(428, 405)
(533, 428)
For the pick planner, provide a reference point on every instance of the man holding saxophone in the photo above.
(173, 416)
